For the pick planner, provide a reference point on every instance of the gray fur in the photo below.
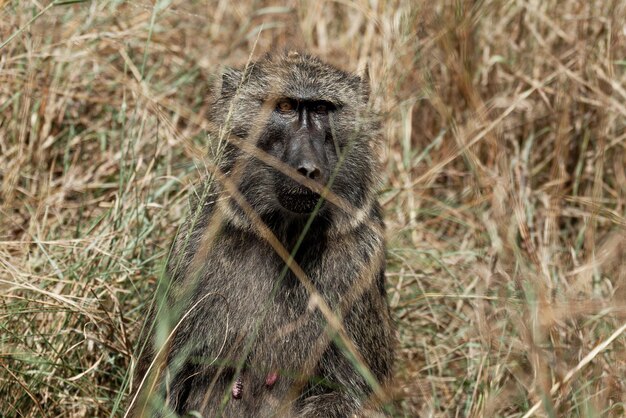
(250, 320)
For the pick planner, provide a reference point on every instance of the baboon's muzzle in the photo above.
(295, 197)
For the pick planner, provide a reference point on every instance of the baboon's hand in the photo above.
(328, 405)
(335, 405)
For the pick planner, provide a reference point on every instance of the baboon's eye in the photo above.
(322, 107)
(285, 106)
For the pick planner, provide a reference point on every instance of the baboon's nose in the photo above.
(310, 170)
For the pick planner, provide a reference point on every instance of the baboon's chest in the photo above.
(262, 309)
(261, 336)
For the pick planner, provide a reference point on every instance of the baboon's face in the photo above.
(304, 113)
(299, 134)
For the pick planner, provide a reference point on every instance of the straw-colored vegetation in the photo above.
(504, 188)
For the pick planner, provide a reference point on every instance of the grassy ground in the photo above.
(504, 188)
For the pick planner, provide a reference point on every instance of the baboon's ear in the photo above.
(231, 79)
(364, 75)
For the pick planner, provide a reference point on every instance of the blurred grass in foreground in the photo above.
(505, 188)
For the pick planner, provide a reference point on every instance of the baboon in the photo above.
(276, 302)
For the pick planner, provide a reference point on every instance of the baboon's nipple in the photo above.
(237, 391)
(237, 388)
(271, 379)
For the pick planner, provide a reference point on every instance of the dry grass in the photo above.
(505, 188)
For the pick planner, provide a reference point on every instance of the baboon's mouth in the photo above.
(297, 199)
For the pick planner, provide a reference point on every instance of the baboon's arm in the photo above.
(349, 388)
